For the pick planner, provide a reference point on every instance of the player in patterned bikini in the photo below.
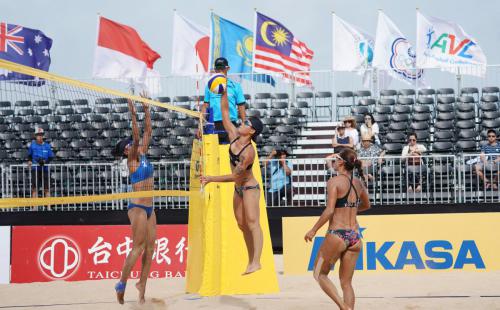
(140, 210)
(347, 196)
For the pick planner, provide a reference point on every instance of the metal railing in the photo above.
(391, 180)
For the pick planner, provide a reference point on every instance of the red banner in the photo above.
(74, 253)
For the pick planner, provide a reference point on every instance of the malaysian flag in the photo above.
(25, 46)
(278, 51)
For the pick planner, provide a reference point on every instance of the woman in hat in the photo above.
(350, 129)
(140, 210)
(246, 197)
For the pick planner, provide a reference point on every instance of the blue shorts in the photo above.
(149, 210)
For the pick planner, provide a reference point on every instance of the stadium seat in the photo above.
(444, 125)
(442, 147)
(388, 93)
(273, 113)
(445, 107)
(490, 124)
(405, 101)
(444, 135)
(383, 109)
(88, 154)
(279, 105)
(445, 116)
(400, 117)
(359, 110)
(262, 96)
(367, 102)
(180, 132)
(279, 96)
(419, 108)
(89, 134)
(421, 117)
(423, 135)
(489, 98)
(73, 118)
(490, 115)
(426, 92)
(466, 146)
(79, 144)
(419, 125)
(485, 106)
(393, 148)
(490, 90)
(259, 105)
(445, 91)
(362, 93)
(466, 115)
(5, 105)
(397, 127)
(395, 137)
(445, 100)
(402, 109)
(253, 113)
(290, 121)
(80, 102)
(111, 134)
(466, 99)
(467, 134)
(469, 92)
(6, 112)
(465, 107)
(386, 101)
(103, 101)
(409, 92)
(381, 118)
(25, 112)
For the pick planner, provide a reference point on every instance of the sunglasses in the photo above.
(412, 139)
(248, 123)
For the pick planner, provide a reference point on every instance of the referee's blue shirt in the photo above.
(39, 152)
(235, 97)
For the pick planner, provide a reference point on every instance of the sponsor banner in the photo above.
(405, 243)
(73, 253)
(4, 254)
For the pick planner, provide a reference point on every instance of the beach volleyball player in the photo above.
(246, 197)
(346, 197)
(140, 210)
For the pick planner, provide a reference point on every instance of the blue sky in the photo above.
(72, 24)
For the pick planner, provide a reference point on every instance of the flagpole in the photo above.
(334, 106)
(252, 92)
(416, 68)
(211, 37)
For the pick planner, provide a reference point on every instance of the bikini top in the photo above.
(143, 172)
(235, 158)
(343, 202)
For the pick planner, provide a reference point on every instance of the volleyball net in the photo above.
(83, 123)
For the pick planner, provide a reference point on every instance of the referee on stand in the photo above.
(235, 97)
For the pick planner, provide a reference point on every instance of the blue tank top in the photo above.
(344, 140)
(143, 172)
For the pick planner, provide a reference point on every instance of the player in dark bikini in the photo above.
(347, 196)
(246, 196)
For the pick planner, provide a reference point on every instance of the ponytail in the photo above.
(358, 164)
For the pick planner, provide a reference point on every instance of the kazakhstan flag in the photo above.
(234, 43)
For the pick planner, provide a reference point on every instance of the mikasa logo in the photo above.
(59, 258)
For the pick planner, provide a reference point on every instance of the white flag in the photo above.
(189, 48)
(353, 51)
(444, 44)
(394, 53)
(352, 48)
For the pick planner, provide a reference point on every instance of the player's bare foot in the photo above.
(251, 268)
(141, 287)
(120, 292)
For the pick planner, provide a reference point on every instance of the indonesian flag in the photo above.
(122, 54)
(190, 47)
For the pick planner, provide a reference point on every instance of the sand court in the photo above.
(436, 290)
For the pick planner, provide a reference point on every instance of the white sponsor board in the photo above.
(4, 254)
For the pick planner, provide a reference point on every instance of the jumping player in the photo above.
(346, 197)
(246, 195)
(140, 210)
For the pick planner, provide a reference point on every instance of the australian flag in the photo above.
(25, 46)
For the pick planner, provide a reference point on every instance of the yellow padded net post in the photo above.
(217, 254)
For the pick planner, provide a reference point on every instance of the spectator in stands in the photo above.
(366, 149)
(415, 168)
(350, 129)
(341, 139)
(236, 101)
(279, 174)
(490, 163)
(39, 154)
(370, 128)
